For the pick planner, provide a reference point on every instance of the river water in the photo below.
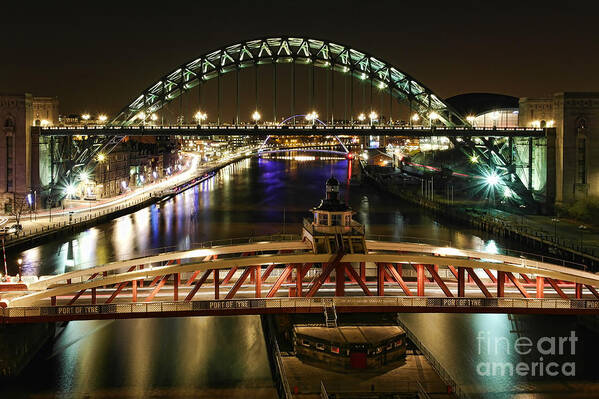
(226, 356)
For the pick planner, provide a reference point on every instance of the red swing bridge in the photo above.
(331, 267)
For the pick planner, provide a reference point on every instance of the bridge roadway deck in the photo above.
(54, 297)
(298, 130)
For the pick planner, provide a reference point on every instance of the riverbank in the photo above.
(538, 233)
(46, 229)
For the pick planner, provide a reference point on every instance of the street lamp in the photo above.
(372, 116)
(256, 116)
(433, 116)
(471, 119)
(85, 117)
(555, 222)
(312, 117)
(102, 118)
(101, 157)
(70, 191)
(362, 117)
(200, 117)
(581, 228)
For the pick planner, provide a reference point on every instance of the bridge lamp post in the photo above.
(200, 117)
(142, 117)
(312, 117)
(415, 118)
(471, 119)
(256, 117)
(102, 118)
(433, 116)
(362, 117)
(85, 117)
(373, 116)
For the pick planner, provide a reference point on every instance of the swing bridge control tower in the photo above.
(333, 229)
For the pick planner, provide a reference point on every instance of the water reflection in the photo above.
(252, 197)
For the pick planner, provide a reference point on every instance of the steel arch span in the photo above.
(320, 53)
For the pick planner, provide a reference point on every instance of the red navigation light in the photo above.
(350, 156)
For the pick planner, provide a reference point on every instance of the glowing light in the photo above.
(256, 116)
(433, 116)
(492, 179)
(495, 115)
(102, 118)
(84, 177)
(470, 119)
(474, 159)
(141, 116)
(155, 175)
(200, 116)
(154, 117)
(363, 76)
(85, 117)
(101, 157)
(373, 116)
(445, 251)
(507, 193)
(70, 190)
(491, 248)
(536, 123)
(44, 122)
(550, 123)
(124, 184)
(382, 85)
(415, 117)
(312, 116)
(29, 199)
(361, 117)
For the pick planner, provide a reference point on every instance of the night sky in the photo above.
(98, 63)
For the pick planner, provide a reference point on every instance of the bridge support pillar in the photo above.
(540, 287)
(461, 282)
(578, 291)
(216, 284)
(420, 277)
(176, 279)
(363, 271)
(299, 277)
(258, 280)
(380, 279)
(134, 291)
(500, 284)
(340, 279)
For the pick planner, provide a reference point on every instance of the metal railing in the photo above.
(445, 376)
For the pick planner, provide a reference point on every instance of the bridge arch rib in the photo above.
(321, 53)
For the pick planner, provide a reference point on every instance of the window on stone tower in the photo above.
(581, 167)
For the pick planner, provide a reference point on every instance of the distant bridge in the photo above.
(281, 274)
(288, 130)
